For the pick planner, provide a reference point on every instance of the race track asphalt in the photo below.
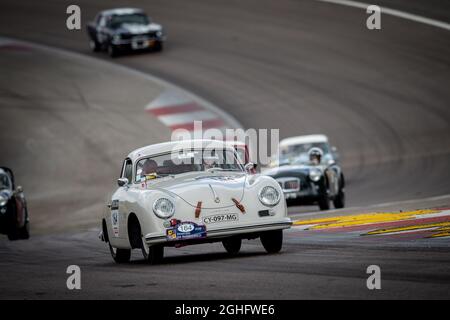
(301, 67)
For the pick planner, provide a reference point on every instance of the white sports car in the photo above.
(190, 192)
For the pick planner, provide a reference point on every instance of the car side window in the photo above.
(128, 170)
(102, 21)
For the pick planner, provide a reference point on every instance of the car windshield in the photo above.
(136, 18)
(173, 163)
(298, 153)
(4, 182)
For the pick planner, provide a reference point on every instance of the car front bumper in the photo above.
(216, 234)
(137, 43)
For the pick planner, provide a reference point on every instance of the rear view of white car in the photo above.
(191, 192)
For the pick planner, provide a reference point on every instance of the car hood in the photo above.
(138, 28)
(214, 190)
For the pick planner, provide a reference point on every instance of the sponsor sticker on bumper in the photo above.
(185, 231)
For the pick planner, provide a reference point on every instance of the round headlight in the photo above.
(269, 196)
(163, 208)
(3, 200)
(159, 33)
(315, 174)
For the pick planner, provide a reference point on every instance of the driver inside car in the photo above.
(315, 156)
(149, 167)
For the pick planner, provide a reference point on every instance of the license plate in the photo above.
(185, 231)
(140, 44)
(221, 218)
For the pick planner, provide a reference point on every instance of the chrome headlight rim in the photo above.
(157, 210)
(3, 200)
(315, 174)
(261, 198)
(116, 38)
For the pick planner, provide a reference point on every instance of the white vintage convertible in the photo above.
(191, 192)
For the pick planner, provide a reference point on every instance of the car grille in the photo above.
(289, 184)
(147, 35)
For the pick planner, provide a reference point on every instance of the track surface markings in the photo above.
(393, 12)
(178, 111)
(429, 223)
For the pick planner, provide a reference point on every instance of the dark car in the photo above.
(124, 29)
(304, 183)
(14, 220)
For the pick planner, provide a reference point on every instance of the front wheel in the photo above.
(24, 232)
(120, 255)
(153, 254)
(232, 245)
(272, 241)
(159, 46)
(94, 45)
(339, 201)
(324, 202)
(112, 51)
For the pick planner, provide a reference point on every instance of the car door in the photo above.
(119, 203)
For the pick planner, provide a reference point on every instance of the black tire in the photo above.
(272, 241)
(13, 234)
(24, 232)
(339, 201)
(94, 45)
(324, 202)
(232, 245)
(154, 255)
(112, 51)
(13, 231)
(120, 255)
(159, 46)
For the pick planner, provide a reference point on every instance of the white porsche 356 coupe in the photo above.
(191, 192)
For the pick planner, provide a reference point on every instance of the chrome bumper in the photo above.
(224, 232)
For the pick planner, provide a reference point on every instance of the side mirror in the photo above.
(19, 189)
(122, 182)
(333, 149)
(249, 166)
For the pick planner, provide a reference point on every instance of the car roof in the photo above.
(121, 11)
(312, 138)
(166, 147)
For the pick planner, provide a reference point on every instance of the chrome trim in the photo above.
(215, 196)
(250, 228)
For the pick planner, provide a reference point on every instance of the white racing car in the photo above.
(190, 192)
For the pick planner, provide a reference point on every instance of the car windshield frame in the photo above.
(3, 178)
(236, 161)
(295, 157)
(120, 20)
